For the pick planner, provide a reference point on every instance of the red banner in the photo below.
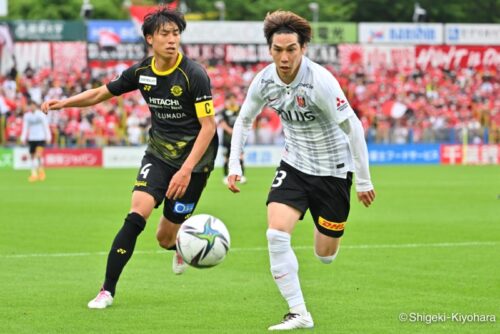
(470, 154)
(377, 56)
(73, 157)
(451, 57)
(69, 56)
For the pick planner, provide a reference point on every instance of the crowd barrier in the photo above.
(257, 156)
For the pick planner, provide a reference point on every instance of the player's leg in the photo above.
(39, 157)
(123, 246)
(148, 194)
(175, 212)
(166, 234)
(33, 162)
(326, 248)
(287, 203)
(330, 205)
(226, 152)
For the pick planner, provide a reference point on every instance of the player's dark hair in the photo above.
(157, 19)
(285, 22)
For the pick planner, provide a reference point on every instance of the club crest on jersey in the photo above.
(301, 101)
(176, 90)
(144, 79)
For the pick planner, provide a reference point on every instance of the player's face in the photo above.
(287, 55)
(166, 41)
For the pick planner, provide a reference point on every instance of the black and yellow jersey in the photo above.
(229, 115)
(176, 98)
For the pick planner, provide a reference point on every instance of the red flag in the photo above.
(108, 38)
(137, 13)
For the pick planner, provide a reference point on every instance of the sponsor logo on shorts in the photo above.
(183, 208)
(141, 183)
(332, 226)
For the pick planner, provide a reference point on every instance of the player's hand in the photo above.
(231, 183)
(366, 197)
(178, 184)
(51, 105)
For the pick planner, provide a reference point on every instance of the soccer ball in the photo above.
(203, 241)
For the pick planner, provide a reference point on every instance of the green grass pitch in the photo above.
(429, 245)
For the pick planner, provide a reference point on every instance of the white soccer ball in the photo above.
(203, 241)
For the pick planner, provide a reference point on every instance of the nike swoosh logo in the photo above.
(280, 276)
(273, 99)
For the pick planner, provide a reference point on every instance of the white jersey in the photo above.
(35, 127)
(311, 109)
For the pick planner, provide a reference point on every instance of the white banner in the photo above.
(130, 157)
(228, 32)
(122, 157)
(22, 158)
(401, 33)
(472, 34)
(36, 54)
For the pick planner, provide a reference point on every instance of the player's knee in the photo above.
(165, 240)
(325, 256)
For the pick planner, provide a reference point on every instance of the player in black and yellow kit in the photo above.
(182, 141)
(229, 116)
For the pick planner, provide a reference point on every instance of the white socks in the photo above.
(35, 163)
(285, 268)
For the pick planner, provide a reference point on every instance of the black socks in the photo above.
(122, 249)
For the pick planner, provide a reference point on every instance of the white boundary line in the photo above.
(259, 249)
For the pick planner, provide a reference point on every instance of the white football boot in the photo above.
(178, 264)
(103, 300)
(294, 321)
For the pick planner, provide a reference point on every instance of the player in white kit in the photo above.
(324, 145)
(36, 133)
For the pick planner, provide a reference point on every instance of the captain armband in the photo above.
(204, 109)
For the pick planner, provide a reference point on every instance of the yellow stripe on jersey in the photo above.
(204, 109)
(332, 226)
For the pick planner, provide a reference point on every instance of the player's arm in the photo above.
(251, 107)
(329, 92)
(354, 130)
(84, 99)
(203, 140)
(205, 113)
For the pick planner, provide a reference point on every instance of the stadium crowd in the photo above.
(395, 106)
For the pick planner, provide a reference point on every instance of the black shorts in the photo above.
(154, 177)
(33, 144)
(326, 197)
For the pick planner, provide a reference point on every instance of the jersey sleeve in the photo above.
(354, 130)
(251, 107)
(202, 93)
(124, 83)
(331, 98)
